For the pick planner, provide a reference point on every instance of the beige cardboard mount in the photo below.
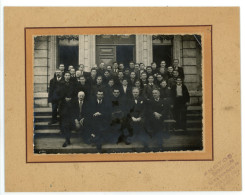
(217, 167)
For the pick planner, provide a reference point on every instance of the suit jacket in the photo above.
(77, 113)
(55, 89)
(128, 93)
(137, 109)
(85, 88)
(104, 108)
(158, 106)
(68, 91)
(185, 97)
(148, 91)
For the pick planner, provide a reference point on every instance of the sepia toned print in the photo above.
(114, 100)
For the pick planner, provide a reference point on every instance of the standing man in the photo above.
(62, 69)
(178, 68)
(181, 100)
(67, 123)
(149, 88)
(55, 94)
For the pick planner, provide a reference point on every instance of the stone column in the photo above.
(53, 52)
(87, 51)
(144, 49)
(177, 48)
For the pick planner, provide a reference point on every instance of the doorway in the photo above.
(162, 52)
(68, 55)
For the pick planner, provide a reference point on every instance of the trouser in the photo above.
(55, 106)
(180, 111)
(66, 126)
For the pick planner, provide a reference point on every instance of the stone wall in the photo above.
(42, 71)
(191, 63)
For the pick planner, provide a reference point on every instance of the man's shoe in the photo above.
(52, 122)
(67, 142)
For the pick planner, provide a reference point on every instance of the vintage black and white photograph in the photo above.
(117, 93)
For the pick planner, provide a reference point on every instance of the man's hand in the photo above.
(97, 114)
(77, 124)
(81, 121)
(157, 115)
(67, 99)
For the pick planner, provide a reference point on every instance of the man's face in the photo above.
(100, 95)
(78, 73)
(132, 75)
(136, 93)
(120, 75)
(175, 73)
(67, 77)
(81, 68)
(58, 73)
(176, 63)
(178, 81)
(99, 80)
(102, 65)
(162, 70)
(136, 67)
(121, 66)
(154, 65)
(81, 96)
(170, 69)
(62, 67)
(159, 77)
(82, 80)
(93, 73)
(163, 84)
(116, 93)
(131, 65)
(106, 74)
(70, 67)
(137, 84)
(143, 76)
(124, 82)
(73, 72)
(142, 66)
(109, 68)
(156, 94)
(111, 83)
(163, 64)
(150, 79)
(115, 65)
(149, 70)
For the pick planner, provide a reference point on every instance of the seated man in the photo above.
(117, 117)
(100, 113)
(80, 112)
(135, 120)
(156, 112)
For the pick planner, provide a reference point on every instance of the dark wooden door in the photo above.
(106, 54)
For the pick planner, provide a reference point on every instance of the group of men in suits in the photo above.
(114, 104)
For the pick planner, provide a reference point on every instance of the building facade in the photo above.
(50, 51)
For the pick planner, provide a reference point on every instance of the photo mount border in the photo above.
(207, 72)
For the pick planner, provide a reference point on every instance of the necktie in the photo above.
(80, 105)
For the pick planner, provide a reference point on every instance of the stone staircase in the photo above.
(47, 138)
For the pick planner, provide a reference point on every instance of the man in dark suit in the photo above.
(55, 94)
(62, 69)
(178, 68)
(100, 113)
(157, 112)
(149, 87)
(91, 80)
(181, 100)
(83, 73)
(83, 86)
(99, 86)
(80, 112)
(125, 90)
(135, 120)
(68, 93)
